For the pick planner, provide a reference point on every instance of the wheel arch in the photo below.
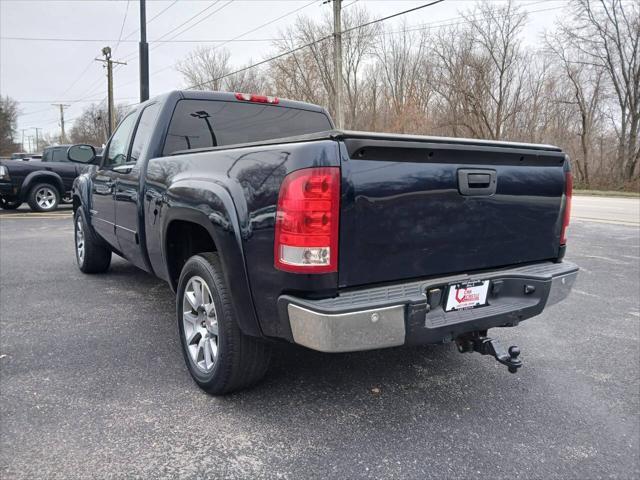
(40, 176)
(190, 229)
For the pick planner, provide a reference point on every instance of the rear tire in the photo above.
(91, 255)
(9, 204)
(220, 358)
(43, 197)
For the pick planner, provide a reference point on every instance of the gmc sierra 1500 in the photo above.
(269, 224)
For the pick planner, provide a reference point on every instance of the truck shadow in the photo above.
(436, 374)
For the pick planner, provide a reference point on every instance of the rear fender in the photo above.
(40, 176)
(209, 205)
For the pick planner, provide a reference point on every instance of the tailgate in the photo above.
(420, 208)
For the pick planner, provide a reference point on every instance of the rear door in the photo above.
(415, 209)
(127, 189)
(103, 211)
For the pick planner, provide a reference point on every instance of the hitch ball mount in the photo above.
(479, 342)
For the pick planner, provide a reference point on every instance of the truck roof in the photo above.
(231, 97)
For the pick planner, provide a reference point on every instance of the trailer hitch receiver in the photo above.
(479, 342)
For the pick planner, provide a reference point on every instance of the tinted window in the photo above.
(117, 149)
(210, 123)
(60, 155)
(47, 155)
(145, 126)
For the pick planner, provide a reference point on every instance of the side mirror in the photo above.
(81, 154)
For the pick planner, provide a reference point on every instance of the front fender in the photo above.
(208, 204)
(81, 190)
(40, 176)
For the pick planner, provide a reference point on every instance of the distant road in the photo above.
(621, 211)
(617, 210)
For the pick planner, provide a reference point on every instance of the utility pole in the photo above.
(37, 138)
(337, 61)
(23, 139)
(62, 107)
(106, 51)
(144, 54)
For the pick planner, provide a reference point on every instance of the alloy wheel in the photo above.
(45, 198)
(80, 240)
(200, 324)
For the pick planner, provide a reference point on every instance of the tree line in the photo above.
(578, 88)
(472, 76)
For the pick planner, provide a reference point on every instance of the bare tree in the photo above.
(92, 125)
(308, 74)
(585, 82)
(252, 80)
(8, 125)
(498, 65)
(404, 75)
(580, 90)
(608, 34)
(203, 68)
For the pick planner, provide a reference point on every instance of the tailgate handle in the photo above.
(477, 182)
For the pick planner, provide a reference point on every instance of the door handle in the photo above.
(123, 168)
(155, 198)
(477, 182)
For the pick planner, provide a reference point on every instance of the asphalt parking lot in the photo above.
(93, 384)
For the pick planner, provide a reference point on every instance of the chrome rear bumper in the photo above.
(398, 314)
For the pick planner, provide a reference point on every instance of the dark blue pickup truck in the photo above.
(271, 225)
(42, 183)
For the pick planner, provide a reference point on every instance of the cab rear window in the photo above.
(212, 123)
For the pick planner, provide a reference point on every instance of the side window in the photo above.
(46, 155)
(192, 126)
(143, 132)
(119, 144)
(60, 155)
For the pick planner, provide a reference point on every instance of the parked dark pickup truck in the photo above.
(335, 240)
(43, 183)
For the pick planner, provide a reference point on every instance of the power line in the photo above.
(71, 101)
(199, 21)
(107, 40)
(166, 34)
(124, 20)
(238, 37)
(424, 26)
(150, 20)
(268, 23)
(392, 16)
(289, 52)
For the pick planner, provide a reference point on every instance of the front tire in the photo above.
(44, 197)
(91, 255)
(220, 358)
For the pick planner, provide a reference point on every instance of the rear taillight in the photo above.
(307, 219)
(568, 192)
(249, 97)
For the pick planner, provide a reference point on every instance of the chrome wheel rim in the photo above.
(45, 198)
(80, 240)
(200, 324)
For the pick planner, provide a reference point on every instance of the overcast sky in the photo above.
(37, 73)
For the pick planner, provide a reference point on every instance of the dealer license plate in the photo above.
(467, 295)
